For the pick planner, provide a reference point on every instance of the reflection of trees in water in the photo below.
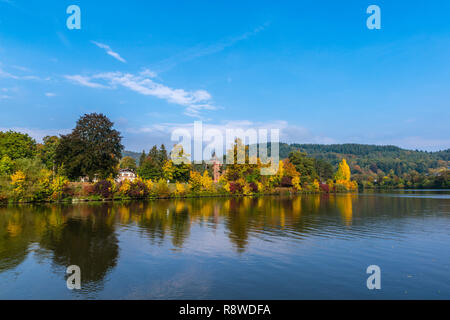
(159, 218)
(17, 231)
(86, 239)
(81, 235)
(344, 204)
(84, 234)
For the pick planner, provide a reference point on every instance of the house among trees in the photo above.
(126, 174)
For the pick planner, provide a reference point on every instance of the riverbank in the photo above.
(280, 192)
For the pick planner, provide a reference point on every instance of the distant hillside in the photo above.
(134, 155)
(363, 157)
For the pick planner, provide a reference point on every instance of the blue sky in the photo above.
(310, 68)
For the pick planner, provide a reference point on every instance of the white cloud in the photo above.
(50, 94)
(84, 81)
(193, 101)
(109, 51)
(148, 73)
(9, 75)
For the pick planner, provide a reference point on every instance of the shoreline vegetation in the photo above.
(84, 165)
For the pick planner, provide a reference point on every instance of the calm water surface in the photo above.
(304, 247)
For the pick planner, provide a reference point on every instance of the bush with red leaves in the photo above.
(103, 188)
(235, 187)
(324, 187)
(138, 189)
(286, 182)
(253, 186)
(87, 189)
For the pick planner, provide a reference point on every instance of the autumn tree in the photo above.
(93, 148)
(343, 172)
(239, 165)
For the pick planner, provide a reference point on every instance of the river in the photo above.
(274, 247)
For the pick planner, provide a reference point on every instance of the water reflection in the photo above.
(87, 234)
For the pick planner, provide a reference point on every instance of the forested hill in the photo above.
(362, 157)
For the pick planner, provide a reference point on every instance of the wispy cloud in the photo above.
(142, 83)
(109, 51)
(15, 76)
(84, 81)
(204, 50)
(50, 94)
(8, 75)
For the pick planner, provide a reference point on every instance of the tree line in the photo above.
(92, 152)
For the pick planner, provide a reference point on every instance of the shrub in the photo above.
(235, 187)
(87, 189)
(286, 181)
(162, 189)
(179, 189)
(195, 181)
(103, 188)
(324, 187)
(296, 183)
(138, 189)
(253, 187)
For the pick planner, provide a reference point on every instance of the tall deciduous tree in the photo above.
(17, 145)
(47, 151)
(93, 148)
(343, 172)
(304, 165)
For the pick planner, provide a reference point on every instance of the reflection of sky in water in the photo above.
(315, 246)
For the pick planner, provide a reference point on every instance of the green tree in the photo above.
(92, 148)
(6, 166)
(304, 165)
(142, 158)
(47, 151)
(17, 145)
(163, 154)
(324, 169)
(150, 169)
(128, 163)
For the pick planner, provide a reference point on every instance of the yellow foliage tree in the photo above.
(57, 186)
(125, 187)
(179, 189)
(343, 172)
(316, 185)
(18, 181)
(296, 183)
(168, 170)
(149, 183)
(207, 182)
